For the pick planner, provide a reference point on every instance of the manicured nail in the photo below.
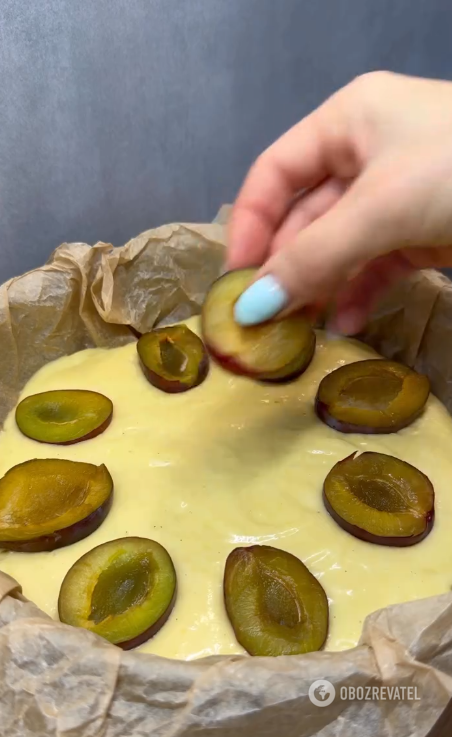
(261, 301)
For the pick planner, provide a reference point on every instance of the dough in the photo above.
(231, 463)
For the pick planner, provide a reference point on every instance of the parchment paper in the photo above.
(67, 682)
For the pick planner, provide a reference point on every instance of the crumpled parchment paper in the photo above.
(60, 681)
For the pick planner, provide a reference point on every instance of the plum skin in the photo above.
(369, 537)
(173, 386)
(404, 408)
(89, 436)
(62, 538)
(135, 332)
(152, 630)
(146, 634)
(362, 534)
(238, 634)
(229, 363)
(234, 365)
(323, 414)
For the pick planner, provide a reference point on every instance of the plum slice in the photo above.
(64, 416)
(173, 359)
(372, 396)
(279, 350)
(380, 499)
(123, 590)
(50, 503)
(275, 605)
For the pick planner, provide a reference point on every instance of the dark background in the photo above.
(119, 115)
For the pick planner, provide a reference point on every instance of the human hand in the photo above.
(373, 165)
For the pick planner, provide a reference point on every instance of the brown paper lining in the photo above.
(56, 680)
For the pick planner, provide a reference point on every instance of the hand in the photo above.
(354, 197)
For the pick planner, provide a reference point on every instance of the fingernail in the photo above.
(349, 322)
(261, 301)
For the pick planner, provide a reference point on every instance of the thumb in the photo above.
(320, 260)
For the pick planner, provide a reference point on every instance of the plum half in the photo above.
(372, 396)
(380, 499)
(50, 503)
(173, 359)
(275, 605)
(279, 350)
(123, 590)
(64, 416)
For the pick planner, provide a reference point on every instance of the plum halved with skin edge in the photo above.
(50, 503)
(64, 416)
(380, 499)
(123, 590)
(374, 396)
(278, 350)
(173, 359)
(274, 603)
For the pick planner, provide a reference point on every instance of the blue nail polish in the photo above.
(261, 301)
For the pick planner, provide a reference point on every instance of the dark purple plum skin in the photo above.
(368, 537)
(67, 536)
(147, 633)
(238, 552)
(134, 331)
(293, 371)
(286, 374)
(89, 436)
(228, 363)
(173, 386)
(152, 630)
(322, 412)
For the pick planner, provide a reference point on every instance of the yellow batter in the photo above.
(231, 463)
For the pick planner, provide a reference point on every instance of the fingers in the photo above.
(318, 262)
(306, 209)
(429, 258)
(324, 253)
(359, 297)
(299, 159)
(310, 244)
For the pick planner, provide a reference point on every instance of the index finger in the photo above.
(295, 161)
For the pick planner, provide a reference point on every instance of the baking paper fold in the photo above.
(59, 681)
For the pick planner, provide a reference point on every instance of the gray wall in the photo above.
(118, 115)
